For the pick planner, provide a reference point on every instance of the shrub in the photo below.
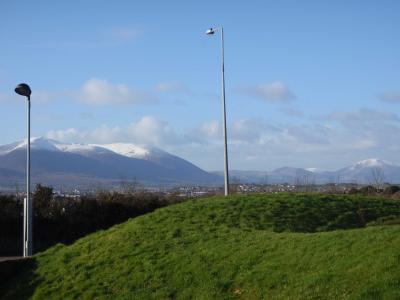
(312, 213)
(63, 219)
(368, 190)
(388, 220)
(391, 189)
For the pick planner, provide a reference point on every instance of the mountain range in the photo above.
(91, 165)
(368, 171)
(96, 166)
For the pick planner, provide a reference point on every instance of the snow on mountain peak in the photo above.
(371, 162)
(42, 143)
(126, 149)
(36, 143)
(132, 150)
(81, 148)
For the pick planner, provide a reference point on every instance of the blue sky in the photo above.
(310, 84)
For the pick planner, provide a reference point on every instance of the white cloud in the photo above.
(328, 143)
(102, 92)
(204, 133)
(211, 129)
(105, 134)
(275, 92)
(250, 130)
(94, 91)
(239, 131)
(67, 135)
(147, 130)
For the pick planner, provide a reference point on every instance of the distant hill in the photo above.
(81, 165)
(363, 172)
(102, 166)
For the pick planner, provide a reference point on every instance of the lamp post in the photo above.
(24, 90)
(211, 31)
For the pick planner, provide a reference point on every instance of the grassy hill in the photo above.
(241, 247)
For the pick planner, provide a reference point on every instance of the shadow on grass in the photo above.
(17, 278)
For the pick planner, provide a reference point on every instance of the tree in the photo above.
(129, 186)
(42, 198)
(391, 189)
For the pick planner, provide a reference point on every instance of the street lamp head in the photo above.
(210, 31)
(23, 89)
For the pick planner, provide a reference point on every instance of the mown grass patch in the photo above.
(241, 247)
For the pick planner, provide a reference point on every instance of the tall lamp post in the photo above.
(211, 31)
(24, 90)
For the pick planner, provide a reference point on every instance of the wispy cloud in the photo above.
(94, 91)
(342, 136)
(362, 116)
(246, 130)
(274, 92)
(292, 112)
(102, 92)
(148, 130)
(391, 97)
(203, 133)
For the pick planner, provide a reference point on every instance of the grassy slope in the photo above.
(218, 249)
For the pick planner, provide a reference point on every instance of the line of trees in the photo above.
(63, 220)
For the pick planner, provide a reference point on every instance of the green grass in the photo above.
(241, 247)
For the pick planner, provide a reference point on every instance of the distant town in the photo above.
(189, 191)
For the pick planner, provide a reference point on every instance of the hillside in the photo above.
(241, 247)
(86, 166)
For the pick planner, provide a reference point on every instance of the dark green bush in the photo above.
(312, 213)
(368, 190)
(388, 220)
(391, 189)
(63, 220)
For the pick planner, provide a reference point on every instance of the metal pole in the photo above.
(226, 171)
(28, 202)
(25, 223)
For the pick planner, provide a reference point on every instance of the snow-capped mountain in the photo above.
(135, 151)
(56, 163)
(363, 172)
(367, 171)
(280, 175)
(314, 170)
(36, 143)
(74, 164)
(42, 143)
(370, 163)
